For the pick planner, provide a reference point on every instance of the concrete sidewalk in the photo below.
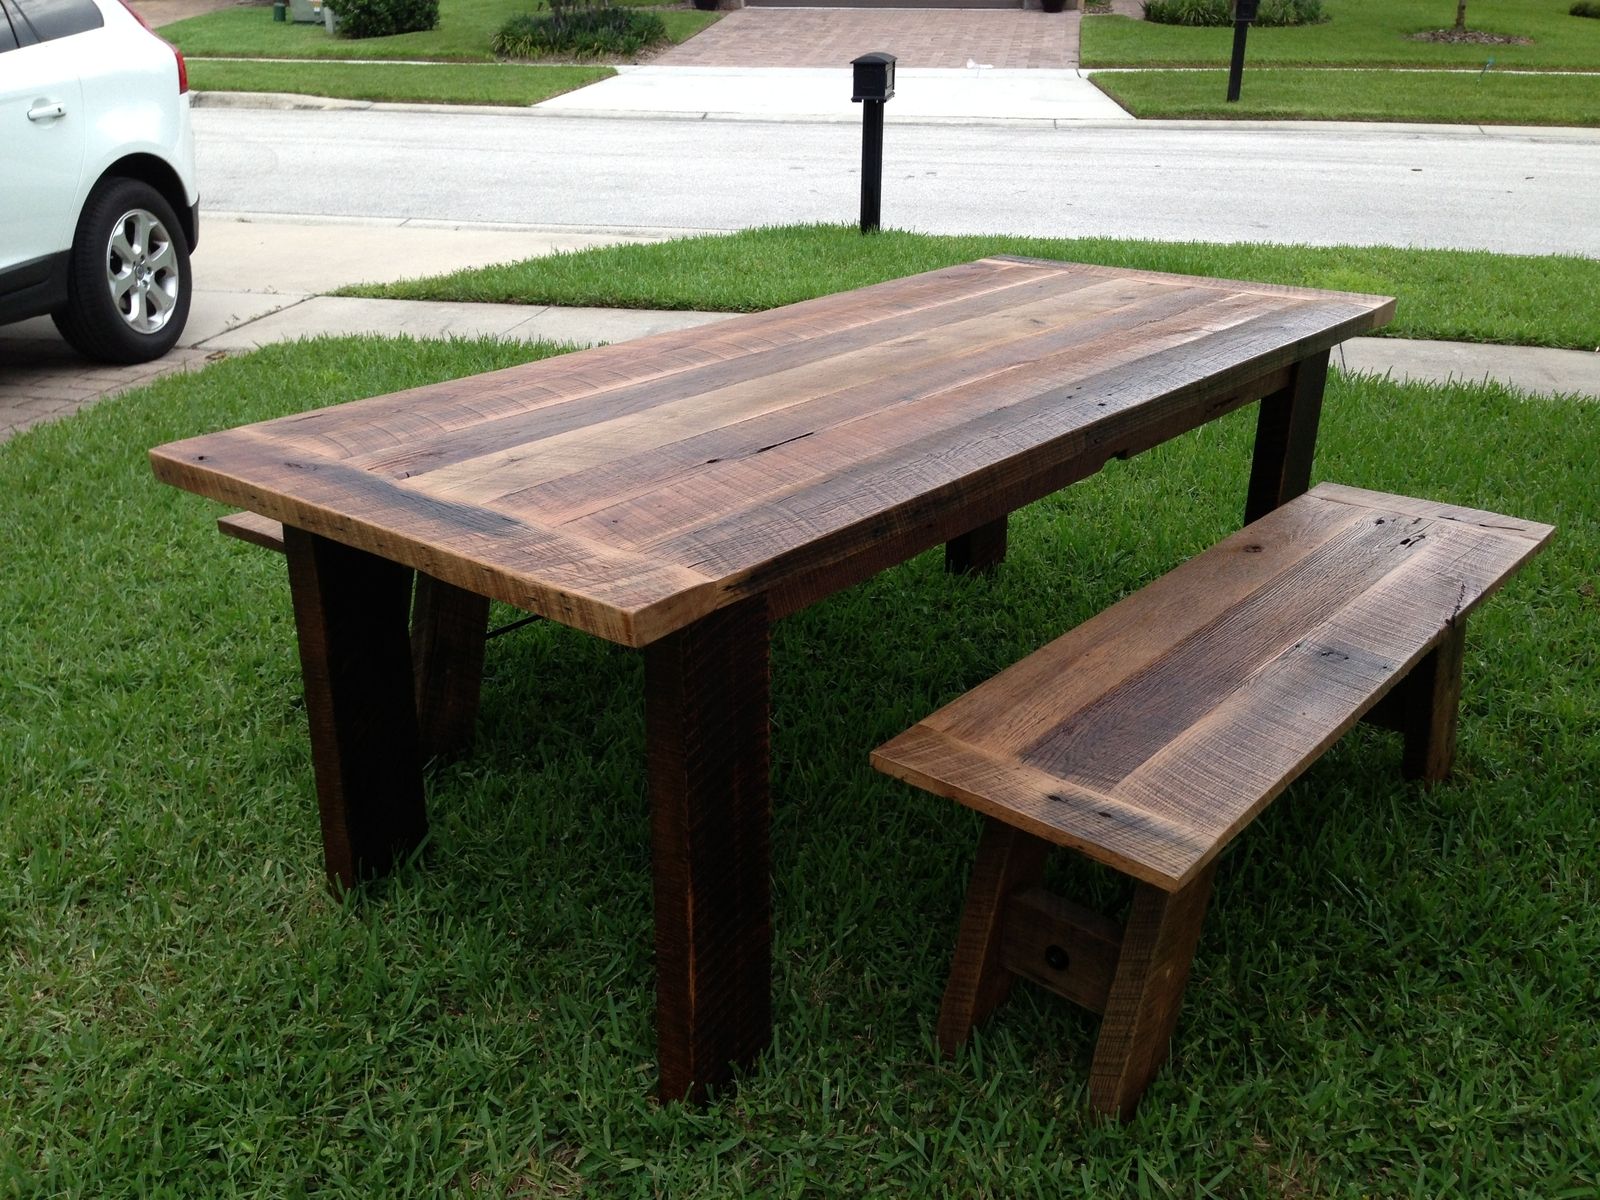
(980, 94)
(262, 281)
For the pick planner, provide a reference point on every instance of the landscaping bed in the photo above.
(464, 33)
(1374, 33)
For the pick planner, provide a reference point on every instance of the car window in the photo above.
(58, 18)
(8, 39)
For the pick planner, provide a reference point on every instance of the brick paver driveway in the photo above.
(831, 37)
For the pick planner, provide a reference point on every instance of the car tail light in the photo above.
(183, 69)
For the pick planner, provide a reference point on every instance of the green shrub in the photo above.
(1220, 12)
(381, 18)
(1585, 8)
(580, 29)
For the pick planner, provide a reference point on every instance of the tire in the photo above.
(128, 281)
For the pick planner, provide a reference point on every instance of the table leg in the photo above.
(1286, 438)
(351, 609)
(980, 549)
(706, 714)
(448, 626)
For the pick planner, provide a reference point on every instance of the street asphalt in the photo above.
(302, 196)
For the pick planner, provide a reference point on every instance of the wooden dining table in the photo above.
(682, 492)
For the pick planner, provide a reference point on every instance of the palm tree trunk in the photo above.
(1461, 16)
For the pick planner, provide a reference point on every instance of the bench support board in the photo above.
(1141, 1012)
(1008, 861)
(1134, 976)
(1062, 946)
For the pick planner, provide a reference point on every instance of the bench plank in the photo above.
(253, 528)
(1149, 736)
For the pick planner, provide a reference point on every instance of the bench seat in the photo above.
(1148, 737)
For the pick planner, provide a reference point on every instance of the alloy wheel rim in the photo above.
(142, 271)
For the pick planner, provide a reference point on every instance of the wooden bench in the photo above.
(449, 627)
(1150, 736)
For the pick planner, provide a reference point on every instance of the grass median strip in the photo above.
(1450, 294)
(465, 27)
(435, 83)
(1455, 97)
(185, 1011)
(1377, 33)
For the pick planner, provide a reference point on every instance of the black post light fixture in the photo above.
(1244, 11)
(873, 87)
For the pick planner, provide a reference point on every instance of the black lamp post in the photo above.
(873, 87)
(1244, 11)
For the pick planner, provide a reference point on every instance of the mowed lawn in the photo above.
(436, 83)
(1394, 995)
(1361, 33)
(1464, 97)
(463, 33)
(1460, 295)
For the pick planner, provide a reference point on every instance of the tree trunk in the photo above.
(1461, 16)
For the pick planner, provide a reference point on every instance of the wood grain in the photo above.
(1431, 704)
(448, 627)
(1062, 946)
(1009, 861)
(632, 490)
(254, 529)
(706, 698)
(350, 610)
(1158, 944)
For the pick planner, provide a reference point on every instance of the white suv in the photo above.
(98, 207)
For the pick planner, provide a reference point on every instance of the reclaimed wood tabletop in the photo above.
(680, 492)
(632, 489)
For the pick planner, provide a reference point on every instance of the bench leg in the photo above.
(1429, 706)
(1157, 949)
(706, 722)
(350, 613)
(1286, 439)
(448, 625)
(980, 549)
(1008, 861)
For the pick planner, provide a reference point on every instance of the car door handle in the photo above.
(47, 111)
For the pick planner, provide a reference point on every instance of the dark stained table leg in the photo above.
(1286, 439)
(448, 626)
(707, 694)
(980, 549)
(351, 609)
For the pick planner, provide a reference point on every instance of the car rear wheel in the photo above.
(129, 282)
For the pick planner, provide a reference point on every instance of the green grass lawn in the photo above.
(1372, 33)
(1394, 995)
(1461, 98)
(465, 27)
(1456, 295)
(441, 83)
